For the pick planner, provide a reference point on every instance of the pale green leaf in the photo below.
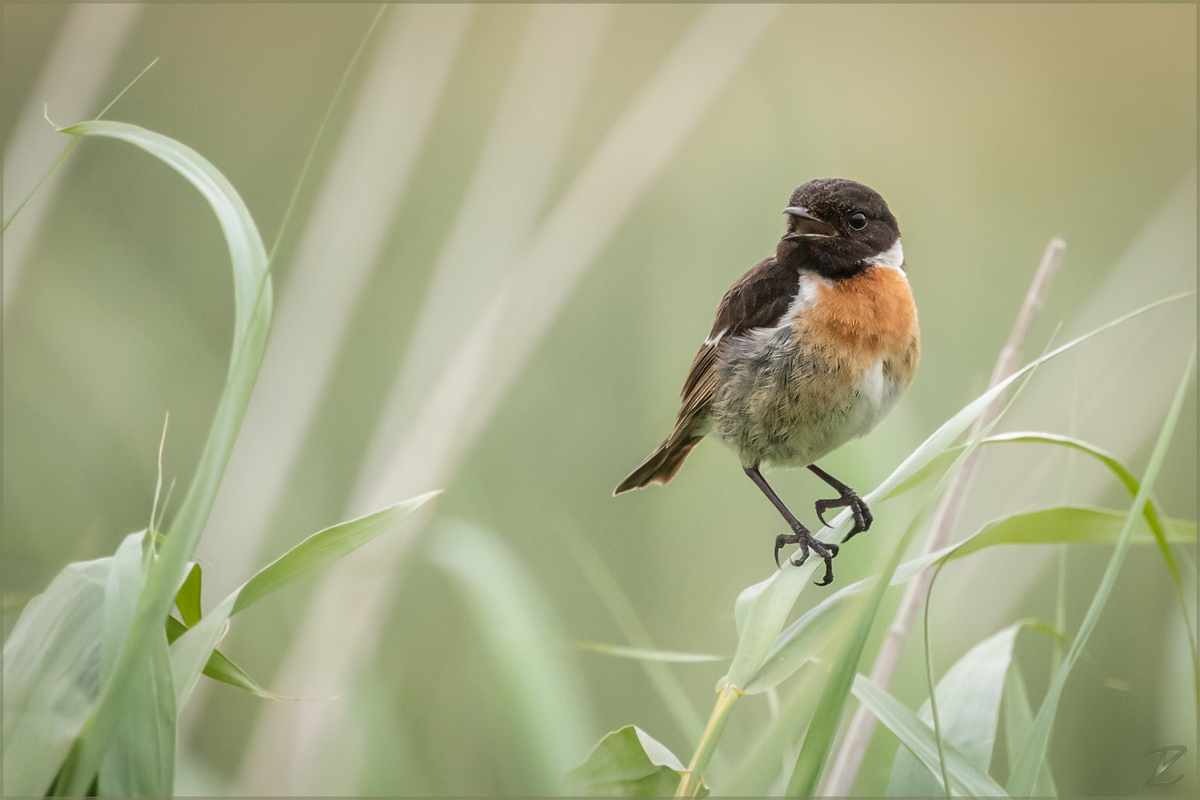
(968, 698)
(52, 675)
(187, 599)
(966, 778)
(1018, 721)
(628, 763)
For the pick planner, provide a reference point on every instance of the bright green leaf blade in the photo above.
(190, 653)
(252, 314)
(52, 675)
(522, 634)
(219, 667)
(914, 734)
(968, 698)
(628, 763)
(187, 599)
(1018, 721)
(322, 549)
(645, 654)
(1028, 765)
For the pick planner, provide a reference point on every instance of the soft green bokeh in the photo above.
(987, 128)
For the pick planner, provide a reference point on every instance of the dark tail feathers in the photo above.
(661, 465)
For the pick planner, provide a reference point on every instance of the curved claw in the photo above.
(828, 578)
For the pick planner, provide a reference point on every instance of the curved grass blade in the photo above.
(252, 315)
(1028, 765)
(219, 667)
(918, 738)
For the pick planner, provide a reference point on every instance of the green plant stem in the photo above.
(937, 725)
(689, 784)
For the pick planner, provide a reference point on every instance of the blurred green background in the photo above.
(988, 129)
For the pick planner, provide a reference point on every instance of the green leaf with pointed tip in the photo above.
(187, 599)
(968, 698)
(965, 777)
(628, 763)
(219, 667)
(1018, 721)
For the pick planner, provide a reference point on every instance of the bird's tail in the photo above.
(661, 465)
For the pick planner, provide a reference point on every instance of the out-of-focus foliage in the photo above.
(987, 128)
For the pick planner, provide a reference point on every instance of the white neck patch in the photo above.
(892, 258)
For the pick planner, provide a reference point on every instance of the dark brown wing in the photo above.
(759, 299)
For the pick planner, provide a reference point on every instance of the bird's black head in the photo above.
(837, 228)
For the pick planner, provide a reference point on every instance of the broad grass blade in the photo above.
(1028, 765)
(968, 698)
(252, 315)
(52, 675)
(522, 634)
(140, 759)
(914, 734)
(628, 763)
(1018, 721)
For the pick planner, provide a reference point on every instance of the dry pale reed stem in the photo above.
(858, 734)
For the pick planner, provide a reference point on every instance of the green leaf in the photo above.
(968, 698)
(322, 549)
(219, 667)
(52, 675)
(140, 758)
(966, 777)
(1028, 765)
(1018, 722)
(187, 599)
(191, 653)
(522, 635)
(628, 763)
(252, 314)
(644, 654)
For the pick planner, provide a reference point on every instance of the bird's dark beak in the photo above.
(807, 224)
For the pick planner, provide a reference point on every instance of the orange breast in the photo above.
(866, 319)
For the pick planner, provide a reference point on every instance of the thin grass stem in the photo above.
(937, 725)
(689, 784)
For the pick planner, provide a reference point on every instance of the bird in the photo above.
(810, 349)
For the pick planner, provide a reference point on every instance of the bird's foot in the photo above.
(824, 550)
(862, 515)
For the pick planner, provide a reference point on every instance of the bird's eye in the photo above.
(858, 221)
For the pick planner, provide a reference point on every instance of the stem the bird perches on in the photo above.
(858, 734)
(689, 784)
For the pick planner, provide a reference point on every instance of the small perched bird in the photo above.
(810, 349)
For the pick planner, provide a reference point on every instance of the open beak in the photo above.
(808, 224)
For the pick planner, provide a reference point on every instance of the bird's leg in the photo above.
(849, 497)
(799, 535)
